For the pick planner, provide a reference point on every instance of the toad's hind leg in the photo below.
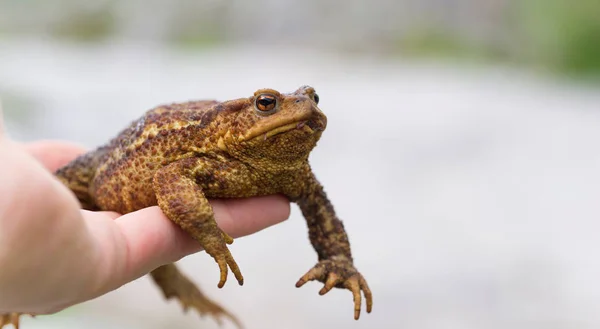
(176, 285)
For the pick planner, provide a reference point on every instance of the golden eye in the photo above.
(265, 104)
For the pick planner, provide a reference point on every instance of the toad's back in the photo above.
(120, 173)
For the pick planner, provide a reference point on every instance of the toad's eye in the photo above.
(316, 98)
(266, 104)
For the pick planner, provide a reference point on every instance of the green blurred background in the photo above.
(559, 36)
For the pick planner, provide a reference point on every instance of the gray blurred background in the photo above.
(461, 151)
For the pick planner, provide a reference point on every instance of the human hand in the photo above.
(54, 255)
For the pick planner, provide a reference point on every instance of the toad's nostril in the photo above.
(317, 124)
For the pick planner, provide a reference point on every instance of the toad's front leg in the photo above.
(180, 197)
(328, 237)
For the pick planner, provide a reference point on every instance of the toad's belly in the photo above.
(248, 184)
(129, 188)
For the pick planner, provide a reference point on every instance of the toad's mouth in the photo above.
(306, 125)
(299, 125)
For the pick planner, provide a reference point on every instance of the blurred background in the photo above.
(461, 150)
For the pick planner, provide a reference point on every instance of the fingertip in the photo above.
(280, 205)
(241, 217)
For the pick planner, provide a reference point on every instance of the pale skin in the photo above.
(54, 255)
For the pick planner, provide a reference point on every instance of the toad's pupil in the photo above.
(266, 103)
(316, 97)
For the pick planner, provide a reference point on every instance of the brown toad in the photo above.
(177, 156)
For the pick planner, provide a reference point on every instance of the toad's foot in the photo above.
(340, 274)
(176, 285)
(10, 318)
(216, 246)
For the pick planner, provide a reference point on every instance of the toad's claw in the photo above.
(217, 248)
(340, 274)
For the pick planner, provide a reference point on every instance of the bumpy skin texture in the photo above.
(176, 156)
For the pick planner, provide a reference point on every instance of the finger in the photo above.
(235, 269)
(147, 239)
(314, 274)
(331, 282)
(367, 291)
(223, 269)
(241, 217)
(352, 285)
(53, 154)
